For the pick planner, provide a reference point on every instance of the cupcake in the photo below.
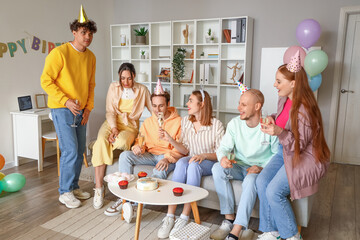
(178, 191)
(123, 184)
(142, 174)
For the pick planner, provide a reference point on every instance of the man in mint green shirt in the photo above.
(244, 139)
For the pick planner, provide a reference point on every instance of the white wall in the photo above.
(275, 25)
(20, 75)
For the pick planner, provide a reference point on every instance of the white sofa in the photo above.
(302, 207)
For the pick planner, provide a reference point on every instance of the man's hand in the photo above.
(162, 165)
(113, 135)
(226, 163)
(85, 116)
(137, 150)
(254, 169)
(197, 158)
(73, 106)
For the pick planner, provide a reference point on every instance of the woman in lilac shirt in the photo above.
(302, 158)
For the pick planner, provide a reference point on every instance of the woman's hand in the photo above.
(271, 129)
(164, 135)
(197, 158)
(114, 133)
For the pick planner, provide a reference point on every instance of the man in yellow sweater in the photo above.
(154, 150)
(69, 80)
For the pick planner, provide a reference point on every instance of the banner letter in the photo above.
(22, 44)
(12, 48)
(51, 46)
(35, 44)
(43, 46)
(3, 49)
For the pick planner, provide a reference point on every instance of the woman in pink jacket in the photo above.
(302, 158)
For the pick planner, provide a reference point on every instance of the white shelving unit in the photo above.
(163, 40)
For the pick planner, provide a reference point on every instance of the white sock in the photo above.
(182, 216)
(275, 233)
(170, 215)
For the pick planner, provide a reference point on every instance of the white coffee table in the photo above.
(161, 196)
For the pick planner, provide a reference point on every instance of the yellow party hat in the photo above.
(82, 15)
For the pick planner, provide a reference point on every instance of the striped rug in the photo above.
(87, 223)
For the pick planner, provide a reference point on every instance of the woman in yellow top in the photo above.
(125, 103)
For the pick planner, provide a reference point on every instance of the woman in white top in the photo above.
(201, 134)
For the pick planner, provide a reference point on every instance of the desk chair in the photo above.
(51, 136)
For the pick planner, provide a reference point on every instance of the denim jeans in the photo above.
(72, 141)
(276, 213)
(128, 159)
(191, 173)
(222, 177)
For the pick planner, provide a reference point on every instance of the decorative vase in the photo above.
(192, 54)
(122, 39)
(140, 40)
(142, 77)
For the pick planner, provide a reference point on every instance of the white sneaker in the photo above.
(222, 231)
(98, 200)
(179, 223)
(268, 236)
(79, 194)
(296, 237)
(115, 209)
(128, 212)
(69, 200)
(168, 224)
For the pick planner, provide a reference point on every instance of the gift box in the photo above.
(192, 231)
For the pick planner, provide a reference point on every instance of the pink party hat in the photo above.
(242, 87)
(295, 63)
(159, 89)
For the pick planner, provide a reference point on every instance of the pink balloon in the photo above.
(308, 32)
(290, 52)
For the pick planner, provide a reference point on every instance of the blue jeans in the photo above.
(72, 141)
(128, 159)
(276, 213)
(222, 177)
(191, 173)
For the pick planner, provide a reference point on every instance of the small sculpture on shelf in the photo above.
(192, 54)
(186, 34)
(234, 68)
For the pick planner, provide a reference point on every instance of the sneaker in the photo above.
(268, 236)
(179, 223)
(69, 200)
(168, 224)
(115, 209)
(79, 194)
(128, 212)
(296, 237)
(98, 200)
(231, 237)
(222, 231)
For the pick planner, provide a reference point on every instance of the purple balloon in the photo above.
(308, 32)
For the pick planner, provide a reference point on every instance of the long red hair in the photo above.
(303, 95)
(206, 111)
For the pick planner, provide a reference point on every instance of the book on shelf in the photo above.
(207, 74)
(227, 34)
(202, 73)
(213, 55)
(192, 76)
(233, 25)
(243, 30)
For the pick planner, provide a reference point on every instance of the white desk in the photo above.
(27, 133)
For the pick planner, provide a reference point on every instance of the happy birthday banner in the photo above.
(12, 47)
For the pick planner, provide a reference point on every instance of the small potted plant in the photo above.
(140, 36)
(202, 55)
(212, 39)
(179, 65)
(208, 35)
(142, 54)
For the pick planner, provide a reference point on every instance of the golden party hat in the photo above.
(159, 89)
(82, 15)
(295, 63)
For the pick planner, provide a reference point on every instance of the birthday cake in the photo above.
(147, 184)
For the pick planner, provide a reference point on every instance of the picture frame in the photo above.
(164, 75)
(40, 101)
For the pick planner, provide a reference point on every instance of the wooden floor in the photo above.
(335, 215)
